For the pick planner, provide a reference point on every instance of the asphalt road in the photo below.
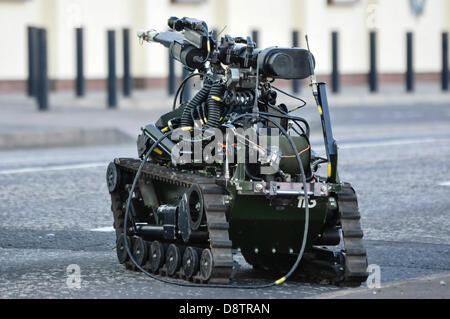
(55, 210)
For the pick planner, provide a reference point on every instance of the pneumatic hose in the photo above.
(215, 105)
(201, 96)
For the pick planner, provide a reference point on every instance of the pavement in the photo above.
(55, 208)
(76, 121)
(416, 288)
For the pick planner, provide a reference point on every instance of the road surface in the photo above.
(55, 210)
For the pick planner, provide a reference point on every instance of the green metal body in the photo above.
(270, 234)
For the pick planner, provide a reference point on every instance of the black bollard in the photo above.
(112, 79)
(171, 76)
(127, 83)
(187, 86)
(373, 76)
(445, 70)
(295, 82)
(409, 63)
(335, 71)
(255, 35)
(79, 82)
(42, 76)
(32, 63)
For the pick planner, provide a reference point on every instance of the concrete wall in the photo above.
(275, 21)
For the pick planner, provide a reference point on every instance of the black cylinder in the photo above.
(329, 237)
(32, 63)
(335, 67)
(445, 75)
(409, 63)
(79, 82)
(255, 35)
(295, 82)
(127, 82)
(112, 79)
(42, 77)
(187, 86)
(373, 77)
(171, 76)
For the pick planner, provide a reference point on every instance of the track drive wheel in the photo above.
(112, 177)
(121, 251)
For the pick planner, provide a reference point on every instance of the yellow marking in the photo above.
(169, 123)
(329, 169)
(205, 120)
(158, 151)
(208, 46)
(186, 128)
(320, 110)
(221, 118)
(215, 98)
(280, 281)
(164, 130)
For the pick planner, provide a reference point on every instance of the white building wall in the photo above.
(395, 20)
(275, 21)
(14, 17)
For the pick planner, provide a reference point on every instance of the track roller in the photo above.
(121, 251)
(156, 256)
(173, 259)
(206, 264)
(190, 262)
(140, 250)
(112, 177)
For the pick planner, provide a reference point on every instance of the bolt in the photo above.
(323, 188)
(259, 187)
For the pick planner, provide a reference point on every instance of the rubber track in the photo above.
(215, 210)
(354, 251)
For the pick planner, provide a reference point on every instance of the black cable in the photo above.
(292, 96)
(249, 174)
(174, 105)
(184, 284)
(289, 117)
(305, 232)
(295, 121)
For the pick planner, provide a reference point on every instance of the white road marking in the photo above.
(344, 146)
(391, 143)
(51, 168)
(106, 229)
(444, 183)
